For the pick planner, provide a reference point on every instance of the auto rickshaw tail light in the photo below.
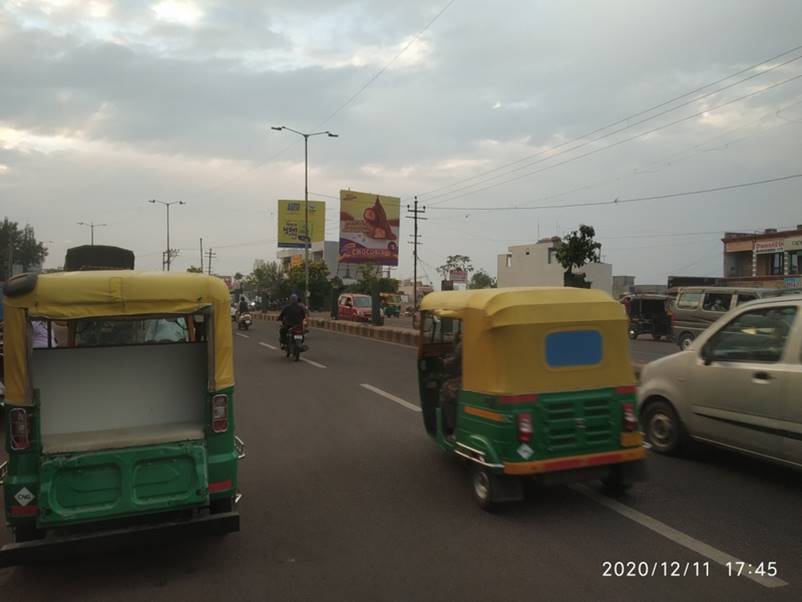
(630, 420)
(20, 424)
(220, 413)
(525, 427)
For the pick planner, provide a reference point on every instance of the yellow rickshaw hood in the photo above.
(114, 293)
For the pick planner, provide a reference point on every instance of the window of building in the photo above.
(795, 262)
(552, 255)
(509, 261)
(776, 265)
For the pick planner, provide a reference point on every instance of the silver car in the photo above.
(738, 385)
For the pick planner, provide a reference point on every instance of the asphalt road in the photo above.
(346, 498)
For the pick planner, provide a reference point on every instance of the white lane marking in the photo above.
(244, 336)
(679, 537)
(391, 397)
(268, 346)
(359, 336)
(315, 364)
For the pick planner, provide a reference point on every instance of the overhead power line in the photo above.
(387, 65)
(431, 193)
(623, 201)
(622, 141)
(353, 97)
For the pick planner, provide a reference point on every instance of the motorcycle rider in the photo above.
(292, 315)
(242, 308)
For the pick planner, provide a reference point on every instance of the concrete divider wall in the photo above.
(402, 336)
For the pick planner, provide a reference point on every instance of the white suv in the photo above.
(738, 385)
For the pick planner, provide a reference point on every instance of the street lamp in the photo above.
(169, 253)
(92, 227)
(306, 197)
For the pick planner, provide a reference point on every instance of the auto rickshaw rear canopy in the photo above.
(114, 293)
(505, 337)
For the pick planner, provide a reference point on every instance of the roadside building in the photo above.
(770, 259)
(536, 265)
(327, 251)
(622, 285)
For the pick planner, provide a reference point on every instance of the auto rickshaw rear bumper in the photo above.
(537, 467)
(94, 542)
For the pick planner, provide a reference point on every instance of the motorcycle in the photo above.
(295, 342)
(244, 322)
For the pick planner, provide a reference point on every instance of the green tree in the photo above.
(194, 270)
(319, 285)
(577, 249)
(482, 279)
(267, 280)
(25, 249)
(455, 262)
(366, 278)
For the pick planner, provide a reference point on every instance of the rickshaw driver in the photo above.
(452, 368)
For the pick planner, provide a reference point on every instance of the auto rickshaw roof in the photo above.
(67, 295)
(526, 305)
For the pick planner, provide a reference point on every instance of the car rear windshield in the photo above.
(362, 301)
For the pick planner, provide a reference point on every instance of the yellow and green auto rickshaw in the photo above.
(119, 408)
(530, 382)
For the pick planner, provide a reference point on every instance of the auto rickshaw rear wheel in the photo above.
(483, 488)
(221, 506)
(23, 533)
(615, 483)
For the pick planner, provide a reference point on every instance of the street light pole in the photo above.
(92, 227)
(167, 205)
(307, 238)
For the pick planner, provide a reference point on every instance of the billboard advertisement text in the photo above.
(291, 222)
(369, 226)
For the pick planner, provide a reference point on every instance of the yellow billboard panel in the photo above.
(369, 226)
(292, 221)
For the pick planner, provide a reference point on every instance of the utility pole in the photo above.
(92, 226)
(201, 254)
(210, 255)
(414, 214)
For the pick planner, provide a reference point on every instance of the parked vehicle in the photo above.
(738, 385)
(391, 304)
(698, 307)
(530, 382)
(355, 307)
(648, 314)
(245, 321)
(125, 422)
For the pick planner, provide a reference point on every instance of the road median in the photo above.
(400, 336)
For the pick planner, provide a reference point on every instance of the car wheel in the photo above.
(685, 340)
(664, 430)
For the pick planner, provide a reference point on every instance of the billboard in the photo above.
(458, 276)
(291, 221)
(369, 225)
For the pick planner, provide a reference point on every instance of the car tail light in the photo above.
(525, 427)
(20, 424)
(220, 413)
(630, 420)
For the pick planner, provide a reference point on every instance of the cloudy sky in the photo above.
(104, 105)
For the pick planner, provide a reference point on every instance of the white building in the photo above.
(536, 265)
